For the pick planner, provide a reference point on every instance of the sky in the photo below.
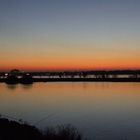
(69, 34)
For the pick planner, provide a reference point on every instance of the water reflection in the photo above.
(12, 86)
(101, 110)
(26, 86)
(22, 86)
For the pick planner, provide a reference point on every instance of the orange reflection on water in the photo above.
(71, 100)
(70, 92)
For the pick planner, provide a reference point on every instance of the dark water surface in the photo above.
(101, 111)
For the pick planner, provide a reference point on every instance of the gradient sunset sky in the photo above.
(69, 34)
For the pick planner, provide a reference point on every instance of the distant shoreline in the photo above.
(16, 76)
(2, 80)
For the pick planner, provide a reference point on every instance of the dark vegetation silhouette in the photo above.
(12, 130)
(63, 132)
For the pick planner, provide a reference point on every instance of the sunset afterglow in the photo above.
(69, 35)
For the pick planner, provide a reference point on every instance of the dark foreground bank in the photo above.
(12, 130)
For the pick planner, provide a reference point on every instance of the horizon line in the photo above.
(73, 70)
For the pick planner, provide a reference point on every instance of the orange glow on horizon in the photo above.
(69, 67)
(70, 63)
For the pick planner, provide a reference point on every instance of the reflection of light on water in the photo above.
(16, 86)
(12, 87)
(100, 109)
(26, 86)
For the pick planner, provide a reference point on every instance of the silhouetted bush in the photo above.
(64, 132)
(12, 130)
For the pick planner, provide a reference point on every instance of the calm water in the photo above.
(102, 111)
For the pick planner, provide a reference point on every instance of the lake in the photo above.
(101, 111)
